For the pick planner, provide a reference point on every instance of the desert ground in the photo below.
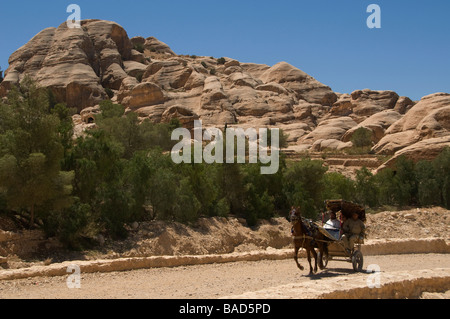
(417, 269)
(265, 278)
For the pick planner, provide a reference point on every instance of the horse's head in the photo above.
(295, 215)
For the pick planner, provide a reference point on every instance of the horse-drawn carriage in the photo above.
(336, 248)
(330, 247)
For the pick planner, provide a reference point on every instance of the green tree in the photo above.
(65, 131)
(303, 185)
(406, 182)
(231, 182)
(386, 185)
(428, 186)
(441, 166)
(31, 152)
(74, 225)
(100, 180)
(133, 135)
(139, 172)
(203, 180)
(187, 207)
(337, 186)
(366, 192)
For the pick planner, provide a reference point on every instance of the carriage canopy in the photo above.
(346, 208)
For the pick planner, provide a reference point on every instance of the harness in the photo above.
(307, 233)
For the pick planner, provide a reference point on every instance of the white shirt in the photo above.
(333, 224)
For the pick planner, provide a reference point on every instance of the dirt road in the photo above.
(204, 281)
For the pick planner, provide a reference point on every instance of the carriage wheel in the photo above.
(324, 259)
(357, 261)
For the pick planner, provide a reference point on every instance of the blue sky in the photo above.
(328, 39)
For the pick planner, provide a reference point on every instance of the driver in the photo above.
(353, 229)
(333, 226)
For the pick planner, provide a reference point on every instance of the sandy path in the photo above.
(203, 281)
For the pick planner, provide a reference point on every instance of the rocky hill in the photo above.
(84, 66)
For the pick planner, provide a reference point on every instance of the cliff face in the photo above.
(83, 66)
(77, 64)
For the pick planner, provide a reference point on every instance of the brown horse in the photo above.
(307, 240)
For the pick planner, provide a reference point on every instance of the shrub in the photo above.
(109, 92)
(303, 186)
(366, 192)
(337, 186)
(362, 137)
(442, 168)
(221, 61)
(139, 47)
(75, 226)
(31, 152)
(386, 186)
(428, 188)
(405, 192)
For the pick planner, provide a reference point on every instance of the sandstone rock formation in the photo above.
(83, 66)
(368, 103)
(429, 118)
(77, 64)
(423, 150)
(377, 123)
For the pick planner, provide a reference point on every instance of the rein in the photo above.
(295, 220)
(303, 237)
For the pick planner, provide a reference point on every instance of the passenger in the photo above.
(353, 229)
(333, 226)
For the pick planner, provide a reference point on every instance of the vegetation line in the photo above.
(120, 172)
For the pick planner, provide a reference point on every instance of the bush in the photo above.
(433, 180)
(442, 168)
(186, 206)
(31, 151)
(337, 186)
(221, 61)
(109, 92)
(362, 137)
(262, 192)
(386, 186)
(428, 188)
(303, 186)
(366, 192)
(75, 226)
(139, 47)
(405, 191)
